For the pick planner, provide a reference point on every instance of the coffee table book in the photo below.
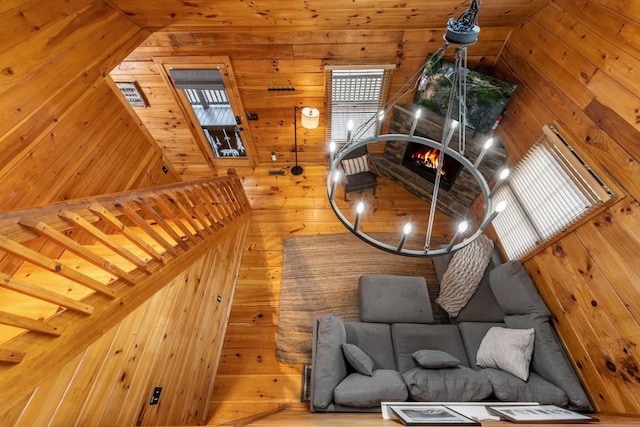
(539, 414)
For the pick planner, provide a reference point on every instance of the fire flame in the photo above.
(428, 158)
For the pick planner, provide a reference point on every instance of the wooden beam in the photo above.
(104, 239)
(11, 356)
(34, 325)
(43, 294)
(110, 218)
(73, 246)
(140, 222)
(54, 266)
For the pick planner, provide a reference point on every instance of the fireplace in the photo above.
(423, 160)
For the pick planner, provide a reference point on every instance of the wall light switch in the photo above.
(273, 156)
(155, 397)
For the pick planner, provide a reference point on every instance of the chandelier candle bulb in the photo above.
(416, 117)
(379, 124)
(462, 227)
(349, 129)
(332, 150)
(502, 177)
(359, 210)
(336, 179)
(406, 230)
(485, 148)
(499, 208)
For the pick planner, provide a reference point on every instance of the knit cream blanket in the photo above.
(462, 278)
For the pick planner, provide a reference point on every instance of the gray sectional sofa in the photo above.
(397, 353)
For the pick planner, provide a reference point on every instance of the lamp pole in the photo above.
(296, 170)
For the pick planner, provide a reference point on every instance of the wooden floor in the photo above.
(301, 417)
(250, 379)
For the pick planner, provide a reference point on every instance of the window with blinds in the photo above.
(550, 189)
(356, 93)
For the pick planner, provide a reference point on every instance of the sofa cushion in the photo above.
(375, 340)
(358, 359)
(409, 338)
(472, 334)
(508, 388)
(507, 349)
(482, 307)
(361, 391)
(549, 359)
(515, 291)
(434, 359)
(447, 385)
(394, 299)
(329, 367)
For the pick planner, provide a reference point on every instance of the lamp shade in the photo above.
(310, 117)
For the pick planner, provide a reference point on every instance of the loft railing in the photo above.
(81, 257)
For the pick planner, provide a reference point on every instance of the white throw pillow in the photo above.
(507, 349)
(357, 165)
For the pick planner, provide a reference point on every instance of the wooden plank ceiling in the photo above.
(317, 14)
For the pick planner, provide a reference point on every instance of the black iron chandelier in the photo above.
(461, 33)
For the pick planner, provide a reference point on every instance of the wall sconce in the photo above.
(310, 120)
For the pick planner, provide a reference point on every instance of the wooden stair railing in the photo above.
(98, 248)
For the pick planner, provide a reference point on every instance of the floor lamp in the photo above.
(310, 120)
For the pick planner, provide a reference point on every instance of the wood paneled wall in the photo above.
(283, 59)
(173, 341)
(578, 64)
(64, 133)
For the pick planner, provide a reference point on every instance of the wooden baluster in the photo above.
(219, 204)
(161, 221)
(34, 291)
(140, 222)
(196, 211)
(169, 200)
(207, 204)
(54, 266)
(110, 218)
(18, 321)
(168, 212)
(104, 238)
(73, 246)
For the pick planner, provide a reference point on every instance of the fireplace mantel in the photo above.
(457, 201)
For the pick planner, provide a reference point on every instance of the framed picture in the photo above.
(431, 415)
(487, 96)
(539, 414)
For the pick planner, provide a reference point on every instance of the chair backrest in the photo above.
(360, 151)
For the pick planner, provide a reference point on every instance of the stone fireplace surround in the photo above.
(457, 201)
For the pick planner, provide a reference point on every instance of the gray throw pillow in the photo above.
(434, 359)
(515, 291)
(358, 359)
(507, 349)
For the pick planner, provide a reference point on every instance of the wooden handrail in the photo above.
(103, 243)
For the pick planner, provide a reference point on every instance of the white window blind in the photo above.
(355, 93)
(550, 189)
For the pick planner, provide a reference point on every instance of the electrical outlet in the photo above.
(252, 116)
(155, 397)
(273, 156)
